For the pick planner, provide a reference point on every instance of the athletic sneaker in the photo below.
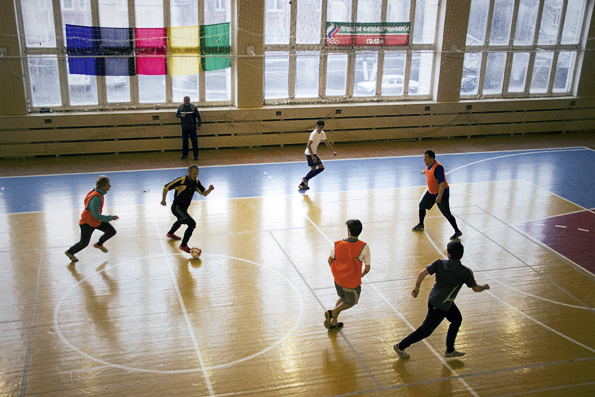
(71, 257)
(418, 228)
(401, 353)
(100, 247)
(185, 248)
(454, 353)
(305, 182)
(173, 236)
(456, 235)
(336, 327)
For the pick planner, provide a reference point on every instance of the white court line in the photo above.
(183, 306)
(211, 367)
(512, 155)
(519, 310)
(31, 328)
(444, 362)
(521, 151)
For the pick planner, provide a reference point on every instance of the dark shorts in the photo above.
(311, 162)
(350, 295)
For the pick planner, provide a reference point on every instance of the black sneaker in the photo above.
(456, 235)
(196, 158)
(184, 157)
(418, 228)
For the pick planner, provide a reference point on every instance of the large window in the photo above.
(522, 48)
(112, 80)
(299, 67)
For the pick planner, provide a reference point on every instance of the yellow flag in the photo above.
(183, 50)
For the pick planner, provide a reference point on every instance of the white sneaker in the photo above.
(401, 353)
(454, 354)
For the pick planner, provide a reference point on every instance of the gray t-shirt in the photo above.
(450, 277)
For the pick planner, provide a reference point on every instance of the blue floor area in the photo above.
(565, 172)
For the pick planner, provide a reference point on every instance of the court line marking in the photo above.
(31, 328)
(483, 233)
(440, 358)
(565, 148)
(201, 361)
(211, 367)
(475, 374)
(516, 308)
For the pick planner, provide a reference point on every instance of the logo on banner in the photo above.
(331, 32)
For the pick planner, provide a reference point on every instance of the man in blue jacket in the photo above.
(190, 120)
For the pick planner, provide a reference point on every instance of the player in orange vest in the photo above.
(346, 261)
(438, 192)
(92, 219)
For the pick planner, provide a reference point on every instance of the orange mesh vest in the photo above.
(347, 268)
(86, 216)
(433, 185)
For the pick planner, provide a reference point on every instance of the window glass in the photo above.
(309, 16)
(276, 75)
(564, 71)
(478, 17)
(541, 72)
(501, 22)
(338, 11)
(526, 21)
(184, 13)
(369, 10)
(492, 82)
(397, 10)
(44, 80)
(82, 88)
(217, 82)
(38, 20)
(471, 69)
(550, 22)
(393, 74)
(149, 14)
(573, 21)
(217, 11)
(276, 17)
(518, 72)
(336, 74)
(307, 66)
(420, 78)
(366, 68)
(114, 13)
(426, 16)
(218, 85)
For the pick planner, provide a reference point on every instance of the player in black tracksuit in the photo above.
(184, 187)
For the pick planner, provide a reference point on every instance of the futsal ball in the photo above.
(195, 252)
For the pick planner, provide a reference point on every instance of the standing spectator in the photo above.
(346, 261)
(314, 162)
(190, 119)
(450, 277)
(92, 219)
(438, 192)
(185, 187)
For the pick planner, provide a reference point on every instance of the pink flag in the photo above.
(150, 49)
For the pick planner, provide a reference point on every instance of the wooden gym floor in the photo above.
(246, 319)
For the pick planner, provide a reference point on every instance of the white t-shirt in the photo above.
(316, 138)
(364, 256)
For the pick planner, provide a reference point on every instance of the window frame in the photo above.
(351, 52)
(60, 51)
(532, 49)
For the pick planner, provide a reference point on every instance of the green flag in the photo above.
(215, 46)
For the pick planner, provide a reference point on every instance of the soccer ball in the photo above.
(195, 252)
